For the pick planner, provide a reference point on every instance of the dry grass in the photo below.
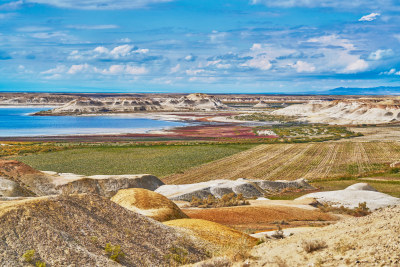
(215, 233)
(292, 161)
(259, 218)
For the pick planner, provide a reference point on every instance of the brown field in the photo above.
(260, 218)
(312, 161)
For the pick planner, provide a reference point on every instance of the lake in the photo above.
(17, 122)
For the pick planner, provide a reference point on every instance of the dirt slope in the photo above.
(75, 229)
(365, 241)
(148, 203)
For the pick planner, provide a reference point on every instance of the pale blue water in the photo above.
(17, 122)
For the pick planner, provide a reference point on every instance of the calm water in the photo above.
(17, 122)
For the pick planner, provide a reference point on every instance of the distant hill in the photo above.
(382, 90)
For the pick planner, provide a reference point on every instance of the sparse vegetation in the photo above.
(313, 245)
(259, 116)
(157, 160)
(227, 200)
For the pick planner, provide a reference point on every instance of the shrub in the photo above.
(313, 245)
(40, 264)
(29, 255)
(361, 210)
(114, 252)
(227, 200)
(177, 255)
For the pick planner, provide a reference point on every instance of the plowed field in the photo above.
(292, 161)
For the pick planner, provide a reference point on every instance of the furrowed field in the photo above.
(312, 161)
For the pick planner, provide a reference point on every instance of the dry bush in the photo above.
(278, 234)
(313, 245)
(227, 200)
(361, 210)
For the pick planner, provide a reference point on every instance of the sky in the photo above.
(211, 46)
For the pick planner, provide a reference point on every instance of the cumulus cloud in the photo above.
(302, 66)
(391, 72)
(101, 52)
(381, 54)
(117, 69)
(338, 55)
(370, 17)
(356, 66)
(260, 62)
(98, 4)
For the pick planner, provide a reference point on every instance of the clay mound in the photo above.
(33, 181)
(348, 111)
(372, 240)
(74, 230)
(108, 185)
(148, 203)
(247, 187)
(215, 233)
(353, 195)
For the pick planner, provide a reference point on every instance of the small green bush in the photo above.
(40, 264)
(114, 252)
(29, 255)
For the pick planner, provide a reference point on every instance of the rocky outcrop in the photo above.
(74, 231)
(149, 204)
(192, 102)
(247, 187)
(10, 188)
(353, 195)
(350, 111)
(32, 181)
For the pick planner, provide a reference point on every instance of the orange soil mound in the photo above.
(259, 218)
(148, 203)
(215, 233)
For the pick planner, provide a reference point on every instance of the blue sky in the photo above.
(246, 46)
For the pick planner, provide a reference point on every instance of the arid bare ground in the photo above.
(365, 241)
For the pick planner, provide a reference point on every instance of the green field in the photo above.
(156, 160)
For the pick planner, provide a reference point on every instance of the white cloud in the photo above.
(391, 72)
(356, 66)
(118, 52)
(217, 37)
(33, 29)
(338, 55)
(302, 66)
(176, 68)
(49, 35)
(260, 62)
(370, 17)
(81, 68)
(57, 69)
(381, 54)
(98, 4)
(194, 72)
(93, 27)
